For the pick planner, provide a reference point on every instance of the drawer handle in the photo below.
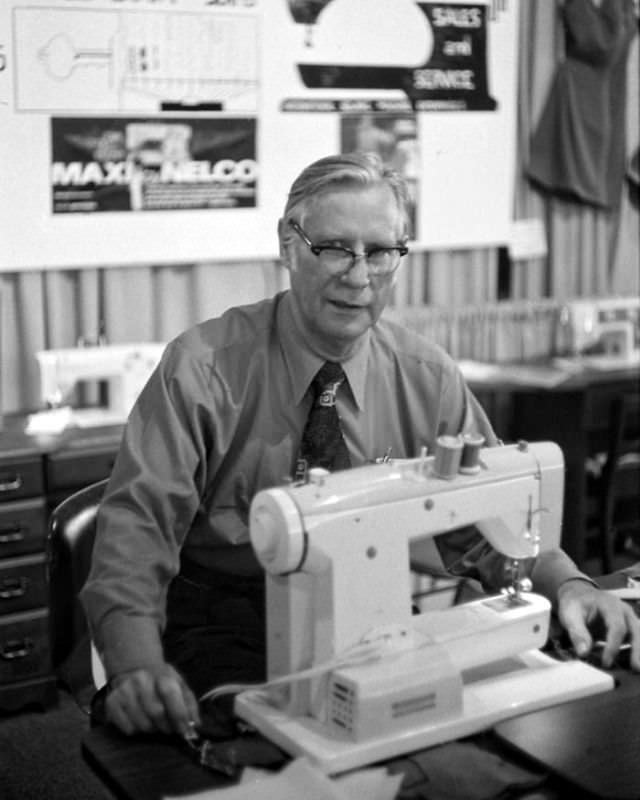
(11, 484)
(16, 648)
(10, 535)
(13, 587)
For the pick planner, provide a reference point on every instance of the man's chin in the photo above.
(347, 331)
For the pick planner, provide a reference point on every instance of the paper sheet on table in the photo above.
(525, 374)
(600, 362)
(301, 779)
(51, 421)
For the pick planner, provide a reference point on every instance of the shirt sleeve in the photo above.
(467, 554)
(152, 496)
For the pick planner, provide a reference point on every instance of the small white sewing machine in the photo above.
(601, 331)
(375, 680)
(125, 368)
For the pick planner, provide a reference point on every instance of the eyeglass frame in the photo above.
(317, 249)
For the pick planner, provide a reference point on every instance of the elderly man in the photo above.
(175, 598)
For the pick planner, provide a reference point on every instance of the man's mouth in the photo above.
(343, 304)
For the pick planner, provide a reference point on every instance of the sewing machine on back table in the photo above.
(124, 368)
(378, 680)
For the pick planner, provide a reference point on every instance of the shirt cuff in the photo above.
(552, 568)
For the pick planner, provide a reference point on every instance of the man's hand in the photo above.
(581, 604)
(151, 701)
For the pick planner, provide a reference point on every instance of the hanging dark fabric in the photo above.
(578, 148)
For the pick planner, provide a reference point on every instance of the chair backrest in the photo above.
(625, 425)
(624, 441)
(620, 482)
(72, 528)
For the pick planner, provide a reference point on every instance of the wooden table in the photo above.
(583, 746)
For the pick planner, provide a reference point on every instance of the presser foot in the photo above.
(519, 583)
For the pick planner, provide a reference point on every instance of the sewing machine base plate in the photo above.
(491, 694)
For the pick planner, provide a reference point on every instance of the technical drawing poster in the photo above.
(120, 59)
(194, 116)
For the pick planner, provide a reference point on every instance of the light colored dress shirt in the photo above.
(221, 418)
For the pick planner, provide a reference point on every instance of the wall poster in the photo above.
(157, 131)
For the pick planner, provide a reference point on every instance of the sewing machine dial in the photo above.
(277, 532)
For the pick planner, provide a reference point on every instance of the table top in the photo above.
(14, 439)
(589, 744)
(146, 767)
(553, 375)
(592, 743)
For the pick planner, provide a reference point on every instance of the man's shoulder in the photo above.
(409, 344)
(237, 329)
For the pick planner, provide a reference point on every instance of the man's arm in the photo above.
(575, 597)
(144, 517)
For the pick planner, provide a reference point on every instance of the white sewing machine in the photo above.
(380, 680)
(124, 367)
(601, 332)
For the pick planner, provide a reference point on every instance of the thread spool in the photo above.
(447, 457)
(470, 459)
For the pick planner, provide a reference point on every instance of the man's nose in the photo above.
(358, 272)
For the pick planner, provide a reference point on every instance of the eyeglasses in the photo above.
(339, 260)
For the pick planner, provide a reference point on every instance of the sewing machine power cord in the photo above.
(360, 653)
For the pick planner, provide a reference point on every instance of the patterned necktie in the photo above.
(322, 442)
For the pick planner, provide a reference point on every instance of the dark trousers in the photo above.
(215, 631)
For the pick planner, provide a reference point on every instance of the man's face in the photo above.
(334, 311)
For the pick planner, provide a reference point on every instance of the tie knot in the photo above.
(326, 382)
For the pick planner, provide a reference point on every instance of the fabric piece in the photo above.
(578, 150)
(460, 771)
(322, 443)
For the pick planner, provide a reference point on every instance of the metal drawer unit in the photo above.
(26, 675)
(36, 475)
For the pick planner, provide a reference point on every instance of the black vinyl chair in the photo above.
(71, 534)
(616, 490)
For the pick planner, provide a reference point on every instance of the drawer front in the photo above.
(20, 477)
(71, 470)
(23, 527)
(23, 584)
(24, 646)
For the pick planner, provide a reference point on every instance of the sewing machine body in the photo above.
(600, 329)
(125, 368)
(337, 555)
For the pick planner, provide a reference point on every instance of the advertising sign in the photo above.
(162, 131)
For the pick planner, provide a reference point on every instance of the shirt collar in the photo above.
(302, 363)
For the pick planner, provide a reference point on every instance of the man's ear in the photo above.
(283, 237)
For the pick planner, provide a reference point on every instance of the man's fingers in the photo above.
(580, 606)
(117, 715)
(178, 702)
(125, 710)
(573, 620)
(192, 706)
(633, 624)
(616, 628)
(154, 708)
(141, 701)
